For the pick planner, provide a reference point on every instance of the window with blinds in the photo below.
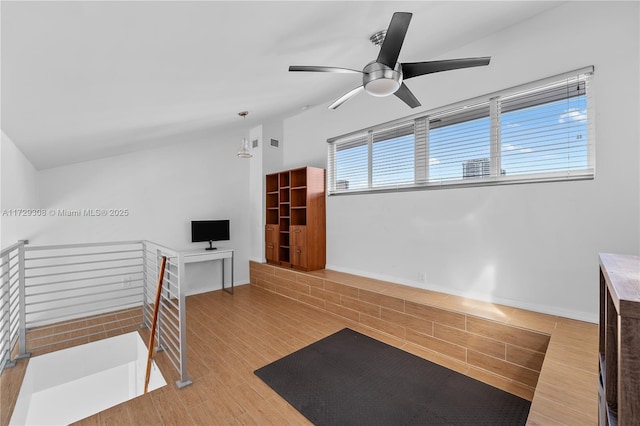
(544, 130)
(530, 133)
(392, 156)
(459, 145)
(351, 164)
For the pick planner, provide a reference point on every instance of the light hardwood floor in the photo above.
(230, 336)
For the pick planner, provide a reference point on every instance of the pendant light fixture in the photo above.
(244, 148)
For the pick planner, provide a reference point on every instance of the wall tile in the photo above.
(471, 341)
(513, 335)
(326, 295)
(310, 280)
(390, 302)
(431, 313)
(420, 325)
(503, 368)
(293, 285)
(384, 326)
(286, 291)
(286, 273)
(446, 348)
(341, 288)
(525, 357)
(266, 285)
(310, 300)
(342, 311)
(360, 306)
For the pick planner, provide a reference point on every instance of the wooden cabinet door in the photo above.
(299, 254)
(271, 242)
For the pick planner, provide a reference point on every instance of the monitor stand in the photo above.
(211, 246)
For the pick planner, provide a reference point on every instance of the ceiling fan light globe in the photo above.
(381, 80)
(382, 87)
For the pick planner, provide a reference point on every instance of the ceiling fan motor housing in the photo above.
(381, 80)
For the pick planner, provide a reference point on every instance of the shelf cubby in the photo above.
(272, 216)
(284, 195)
(299, 178)
(283, 254)
(271, 183)
(283, 179)
(272, 200)
(284, 209)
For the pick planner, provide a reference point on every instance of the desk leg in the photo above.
(228, 290)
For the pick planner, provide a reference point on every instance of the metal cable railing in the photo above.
(171, 329)
(11, 263)
(58, 296)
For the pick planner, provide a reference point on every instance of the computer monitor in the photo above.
(209, 230)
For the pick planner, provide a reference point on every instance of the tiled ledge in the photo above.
(547, 359)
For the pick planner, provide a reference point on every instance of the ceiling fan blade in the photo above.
(344, 98)
(407, 97)
(392, 43)
(414, 69)
(312, 68)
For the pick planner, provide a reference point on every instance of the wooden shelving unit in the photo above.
(295, 218)
(619, 344)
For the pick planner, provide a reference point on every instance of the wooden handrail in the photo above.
(156, 308)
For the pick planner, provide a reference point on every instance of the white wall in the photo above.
(163, 190)
(266, 159)
(18, 190)
(536, 245)
(256, 195)
(272, 157)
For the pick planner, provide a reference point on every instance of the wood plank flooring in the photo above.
(230, 336)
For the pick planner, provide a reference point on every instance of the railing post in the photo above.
(5, 300)
(182, 315)
(22, 313)
(144, 284)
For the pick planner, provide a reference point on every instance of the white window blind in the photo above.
(392, 154)
(535, 132)
(544, 130)
(459, 143)
(349, 161)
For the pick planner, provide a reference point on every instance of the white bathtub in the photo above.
(68, 385)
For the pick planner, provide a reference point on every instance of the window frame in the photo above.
(421, 121)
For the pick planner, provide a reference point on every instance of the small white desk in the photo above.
(202, 255)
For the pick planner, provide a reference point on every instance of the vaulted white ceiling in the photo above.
(83, 80)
